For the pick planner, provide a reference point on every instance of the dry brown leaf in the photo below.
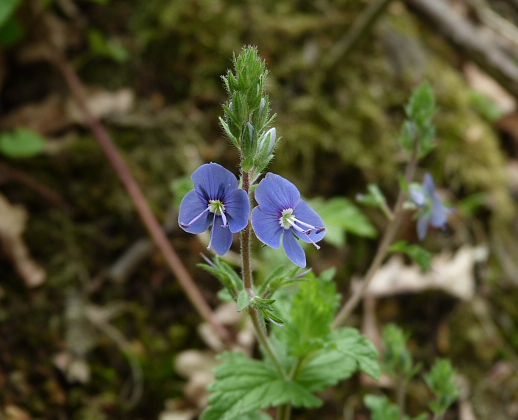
(12, 225)
(228, 315)
(102, 104)
(55, 113)
(452, 274)
(197, 367)
(175, 411)
(486, 85)
(13, 412)
(45, 117)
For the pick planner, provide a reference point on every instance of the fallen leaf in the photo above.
(101, 103)
(12, 226)
(197, 367)
(486, 85)
(452, 274)
(13, 412)
(56, 113)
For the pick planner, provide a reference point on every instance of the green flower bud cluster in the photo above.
(247, 119)
(418, 126)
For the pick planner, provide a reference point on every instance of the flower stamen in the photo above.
(211, 235)
(288, 221)
(188, 225)
(218, 208)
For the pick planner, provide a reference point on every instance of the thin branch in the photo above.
(358, 30)
(49, 194)
(386, 241)
(148, 218)
(471, 40)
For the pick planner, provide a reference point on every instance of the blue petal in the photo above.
(191, 206)
(274, 194)
(293, 249)
(221, 237)
(439, 214)
(429, 185)
(267, 228)
(306, 214)
(422, 226)
(213, 181)
(237, 210)
(417, 195)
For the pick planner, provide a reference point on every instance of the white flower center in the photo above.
(216, 207)
(287, 219)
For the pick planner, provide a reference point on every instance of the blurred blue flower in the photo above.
(281, 212)
(432, 211)
(216, 200)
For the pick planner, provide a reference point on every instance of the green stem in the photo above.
(401, 395)
(263, 339)
(386, 241)
(284, 412)
(246, 272)
(246, 265)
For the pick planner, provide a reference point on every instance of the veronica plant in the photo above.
(296, 314)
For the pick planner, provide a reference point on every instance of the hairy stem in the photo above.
(263, 339)
(386, 241)
(246, 240)
(246, 272)
(148, 218)
(284, 412)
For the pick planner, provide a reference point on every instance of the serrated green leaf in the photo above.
(381, 407)
(312, 312)
(441, 380)
(243, 300)
(245, 386)
(21, 143)
(398, 360)
(349, 342)
(342, 216)
(347, 352)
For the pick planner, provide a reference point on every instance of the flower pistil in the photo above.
(288, 220)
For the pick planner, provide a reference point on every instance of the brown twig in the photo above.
(52, 196)
(157, 234)
(471, 40)
(358, 30)
(386, 241)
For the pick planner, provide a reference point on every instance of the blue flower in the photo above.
(281, 212)
(216, 200)
(432, 210)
